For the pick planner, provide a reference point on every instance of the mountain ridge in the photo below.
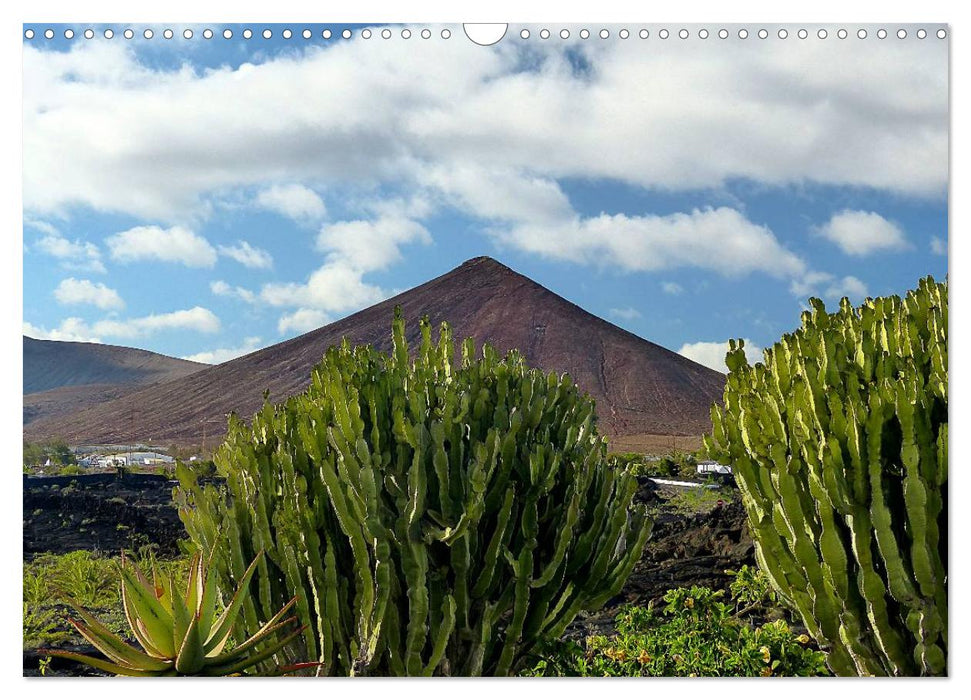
(639, 386)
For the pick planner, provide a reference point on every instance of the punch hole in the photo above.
(802, 33)
(446, 34)
(683, 34)
(585, 33)
(227, 33)
(623, 34)
(564, 33)
(763, 34)
(604, 33)
(941, 34)
(29, 34)
(49, 34)
(267, 33)
(822, 34)
(901, 33)
(485, 34)
(722, 33)
(921, 33)
(842, 34)
(129, 33)
(306, 34)
(68, 33)
(783, 33)
(524, 34)
(287, 33)
(89, 34)
(743, 33)
(168, 34)
(664, 33)
(148, 34)
(109, 33)
(385, 33)
(426, 33)
(544, 34)
(366, 34)
(643, 34)
(703, 34)
(882, 34)
(326, 34)
(405, 33)
(861, 33)
(207, 34)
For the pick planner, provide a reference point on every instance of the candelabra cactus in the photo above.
(440, 519)
(838, 440)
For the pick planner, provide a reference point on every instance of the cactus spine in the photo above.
(434, 519)
(839, 443)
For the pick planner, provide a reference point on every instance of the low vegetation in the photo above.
(698, 632)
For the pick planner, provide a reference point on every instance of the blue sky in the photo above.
(203, 198)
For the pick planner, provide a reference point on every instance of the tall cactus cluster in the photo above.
(839, 443)
(434, 517)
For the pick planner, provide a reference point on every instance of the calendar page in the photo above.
(485, 350)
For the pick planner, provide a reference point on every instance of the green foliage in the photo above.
(91, 579)
(70, 470)
(678, 465)
(37, 454)
(696, 633)
(838, 440)
(437, 520)
(179, 636)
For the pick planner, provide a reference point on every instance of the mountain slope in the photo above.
(64, 377)
(640, 387)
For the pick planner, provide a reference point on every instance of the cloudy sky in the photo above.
(203, 198)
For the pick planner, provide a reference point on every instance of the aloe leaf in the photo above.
(224, 625)
(103, 665)
(114, 647)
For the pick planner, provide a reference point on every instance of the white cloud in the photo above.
(247, 255)
(829, 287)
(302, 320)
(294, 201)
(721, 240)
(223, 289)
(333, 288)
(215, 357)
(861, 233)
(370, 245)
(74, 255)
(173, 245)
(799, 113)
(713, 354)
(73, 291)
(197, 319)
(628, 313)
(672, 288)
(938, 245)
(71, 329)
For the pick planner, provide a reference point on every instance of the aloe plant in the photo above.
(180, 636)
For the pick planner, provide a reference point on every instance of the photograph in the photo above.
(545, 350)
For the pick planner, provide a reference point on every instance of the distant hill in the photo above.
(64, 377)
(640, 387)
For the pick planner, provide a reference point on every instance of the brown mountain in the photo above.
(64, 377)
(640, 387)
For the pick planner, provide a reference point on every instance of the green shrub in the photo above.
(433, 519)
(696, 633)
(838, 440)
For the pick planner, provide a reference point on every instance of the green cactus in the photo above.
(838, 440)
(434, 518)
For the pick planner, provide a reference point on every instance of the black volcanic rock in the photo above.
(639, 387)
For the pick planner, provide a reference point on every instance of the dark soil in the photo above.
(103, 512)
(684, 550)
